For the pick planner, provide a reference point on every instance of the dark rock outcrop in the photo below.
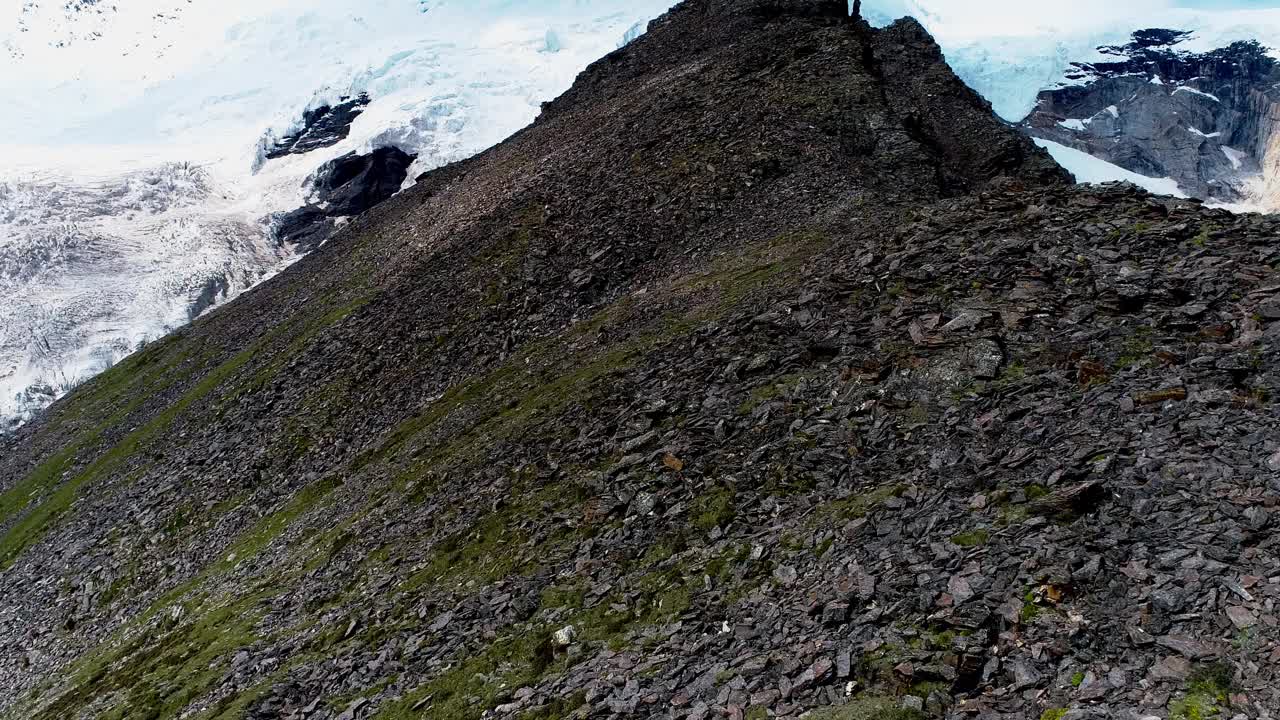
(321, 127)
(343, 187)
(353, 183)
(305, 228)
(214, 290)
(766, 372)
(1203, 119)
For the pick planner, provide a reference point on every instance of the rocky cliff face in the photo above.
(322, 126)
(340, 190)
(1207, 120)
(766, 373)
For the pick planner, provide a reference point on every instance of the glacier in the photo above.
(136, 193)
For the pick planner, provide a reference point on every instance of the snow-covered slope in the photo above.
(1089, 169)
(90, 268)
(135, 191)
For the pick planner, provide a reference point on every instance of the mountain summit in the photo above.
(766, 373)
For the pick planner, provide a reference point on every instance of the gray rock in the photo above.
(1171, 668)
(1257, 517)
(835, 613)
(565, 636)
(959, 589)
(1242, 618)
(1187, 646)
(785, 575)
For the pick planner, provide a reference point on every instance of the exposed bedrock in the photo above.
(343, 187)
(322, 127)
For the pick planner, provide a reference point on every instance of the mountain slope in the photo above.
(765, 371)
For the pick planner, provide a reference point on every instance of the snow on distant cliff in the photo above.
(1182, 107)
(1089, 169)
(1010, 50)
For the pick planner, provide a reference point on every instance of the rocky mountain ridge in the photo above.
(766, 374)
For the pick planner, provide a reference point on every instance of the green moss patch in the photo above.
(714, 509)
(867, 708)
(971, 538)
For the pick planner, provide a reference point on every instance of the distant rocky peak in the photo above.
(1202, 119)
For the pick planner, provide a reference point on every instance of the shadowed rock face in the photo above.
(765, 362)
(353, 183)
(342, 188)
(321, 127)
(305, 228)
(1203, 119)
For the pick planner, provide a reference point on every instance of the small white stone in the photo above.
(565, 636)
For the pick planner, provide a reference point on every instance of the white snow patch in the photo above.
(1201, 133)
(1079, 125)
(1240, 208)
(1194, 91)
(1235, 156)
(1155, 80)
(1089, 169)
